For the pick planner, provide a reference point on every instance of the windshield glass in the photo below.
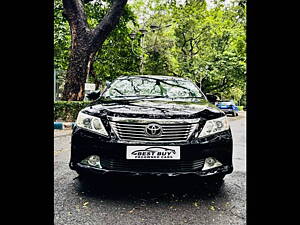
(153, 87)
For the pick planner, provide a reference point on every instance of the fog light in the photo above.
(210, 163)
(94, 160)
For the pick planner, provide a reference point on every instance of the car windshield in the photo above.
(152, 87)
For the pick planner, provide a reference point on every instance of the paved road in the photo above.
(150, 200)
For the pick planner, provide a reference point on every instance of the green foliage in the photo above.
(68, 110)
(240, 108)
(205, 44)
(115, 58)
(62, 38)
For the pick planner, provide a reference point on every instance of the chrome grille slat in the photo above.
(178, 126)
(125, 134)
(129, 125)
(177, 129)
(149, 138)
(142, 126)
(134, 130)
(130, 132)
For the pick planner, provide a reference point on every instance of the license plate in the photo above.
(153, 152)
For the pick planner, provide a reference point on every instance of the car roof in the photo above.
(154, 76)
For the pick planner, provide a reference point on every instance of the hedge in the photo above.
(67, 111)
(240, 108)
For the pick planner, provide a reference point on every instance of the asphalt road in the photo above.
(150, 200)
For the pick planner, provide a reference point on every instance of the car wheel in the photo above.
(233, 114)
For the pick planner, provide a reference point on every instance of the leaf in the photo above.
(131, 211)
(84, 204)
(212, 208)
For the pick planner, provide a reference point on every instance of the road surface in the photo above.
(150, 200)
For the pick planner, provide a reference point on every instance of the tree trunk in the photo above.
(79, 67)
(85, 44)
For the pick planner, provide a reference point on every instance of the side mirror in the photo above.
(107, 83)
(211, 98)
(93, 95)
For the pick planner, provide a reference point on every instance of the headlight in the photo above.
(91, 123)
(214, 126)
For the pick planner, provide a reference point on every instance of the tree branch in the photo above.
(184, 43)
(108, 23)
(166, 66)
(74, 13)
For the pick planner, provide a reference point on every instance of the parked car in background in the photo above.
(158, 125)
(228, 107)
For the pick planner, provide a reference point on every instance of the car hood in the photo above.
(155, 108)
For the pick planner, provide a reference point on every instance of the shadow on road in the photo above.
(148, 188)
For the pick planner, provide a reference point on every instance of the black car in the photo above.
(155, 125)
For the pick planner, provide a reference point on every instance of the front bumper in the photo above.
(92, 170)
(85, 143)
(228, 111)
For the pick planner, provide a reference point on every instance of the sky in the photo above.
(209, 5)
(209, 2)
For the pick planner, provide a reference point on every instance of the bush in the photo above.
(67, 110)
(240, 108)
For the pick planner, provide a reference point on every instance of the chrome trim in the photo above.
(133, 129)
(146, 121)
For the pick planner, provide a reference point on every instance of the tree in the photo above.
(205, 44)
(115, 57)
(85, 42)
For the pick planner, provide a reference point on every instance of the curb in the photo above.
(63, 125)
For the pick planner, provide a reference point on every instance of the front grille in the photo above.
(152, 165)
(135, 132)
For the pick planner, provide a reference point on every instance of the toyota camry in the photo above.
(155, 125)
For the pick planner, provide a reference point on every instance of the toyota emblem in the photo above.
(153, 129)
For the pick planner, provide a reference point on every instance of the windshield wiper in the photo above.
(187, 97)
(152, 96)
(140, 96)
(160, 80)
